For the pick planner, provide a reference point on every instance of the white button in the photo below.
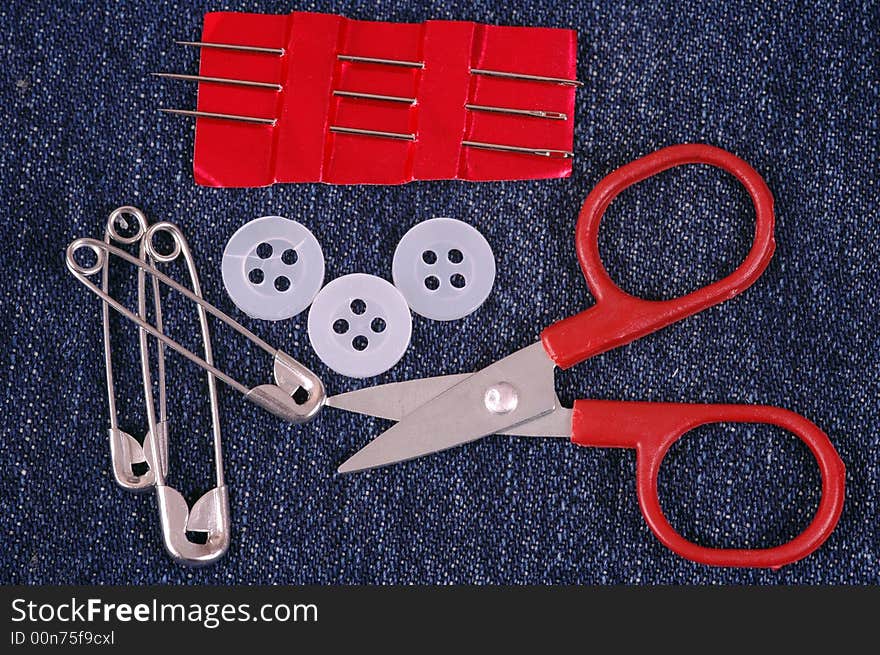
(360, 325)
(272, 268)
(444, 268)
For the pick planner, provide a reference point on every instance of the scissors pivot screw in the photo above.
(501, 398)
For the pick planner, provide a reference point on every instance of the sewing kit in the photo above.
(311, 97)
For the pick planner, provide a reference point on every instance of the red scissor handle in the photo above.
(651, 428)
(618, 318)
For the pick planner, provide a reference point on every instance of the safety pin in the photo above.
(210, 514)
(541, 152)
(126, 454)
(231, 46)
(220, 80)
(297, 394)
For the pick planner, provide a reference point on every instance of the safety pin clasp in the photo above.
(209, 516)
(297, 395)
(126, 453)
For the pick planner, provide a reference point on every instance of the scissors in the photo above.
(516, 395)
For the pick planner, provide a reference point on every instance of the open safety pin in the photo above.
(210, 514)
(127, 456)
(297, 394)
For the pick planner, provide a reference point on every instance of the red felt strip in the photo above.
(442, 97)
(228, 153)
(303, 123)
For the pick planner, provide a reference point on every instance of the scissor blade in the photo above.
(462, 413)
(397, 399)
(555, 424)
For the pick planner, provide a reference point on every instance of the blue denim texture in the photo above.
(791, 87)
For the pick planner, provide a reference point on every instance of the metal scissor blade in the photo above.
(555, 424)
(397, 399)
(512, 391)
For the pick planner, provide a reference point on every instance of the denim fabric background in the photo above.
(790, 87)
